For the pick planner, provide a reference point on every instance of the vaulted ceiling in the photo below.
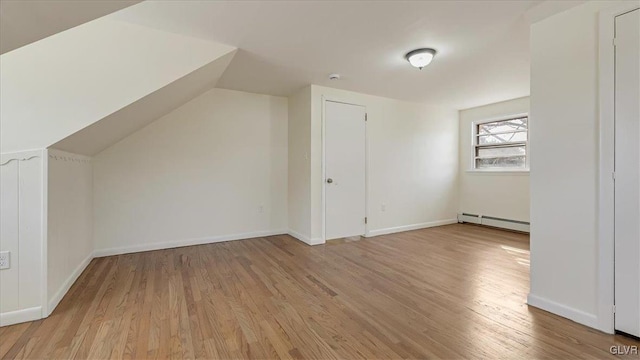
(118, 74)
(483, 46)
(25, 21)
(89, 86)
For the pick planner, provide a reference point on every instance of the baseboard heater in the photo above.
(494, 221)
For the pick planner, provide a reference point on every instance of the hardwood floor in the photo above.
(455, 291)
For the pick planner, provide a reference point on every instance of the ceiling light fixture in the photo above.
(420, 57)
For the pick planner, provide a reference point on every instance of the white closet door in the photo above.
(627, 168)
(345, 194)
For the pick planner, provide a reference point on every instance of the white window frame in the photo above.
(474, 144)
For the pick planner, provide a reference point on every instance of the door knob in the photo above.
(329, 180)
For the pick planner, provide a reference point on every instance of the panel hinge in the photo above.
(365, 220)
(365, 116)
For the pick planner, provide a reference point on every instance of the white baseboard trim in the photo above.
(55, 300)
(20, 316)
(305, 239)
(316, 241)
(181, 243)
(570, 313)
(397, 229)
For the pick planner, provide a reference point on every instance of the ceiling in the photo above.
(483, 46)
(25, 21)
(118, 125)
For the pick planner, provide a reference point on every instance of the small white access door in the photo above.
(627, 168)
(345, 157)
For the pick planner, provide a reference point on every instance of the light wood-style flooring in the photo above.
(451, 292)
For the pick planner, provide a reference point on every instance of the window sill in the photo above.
(523, 172)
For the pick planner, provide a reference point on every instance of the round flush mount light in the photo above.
(420, 57)
(334, 77)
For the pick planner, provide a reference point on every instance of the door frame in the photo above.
(606, 185)
(324, 100)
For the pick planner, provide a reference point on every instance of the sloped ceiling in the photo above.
(549, 8)
(483, 46)
(115, 127)
(25, 21)
(59, 85)
(86, 88)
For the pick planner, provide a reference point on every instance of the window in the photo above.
(501, 144)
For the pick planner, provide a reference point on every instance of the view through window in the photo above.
(501, 144)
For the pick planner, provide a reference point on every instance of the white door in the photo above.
(344, 181)
(627, 168)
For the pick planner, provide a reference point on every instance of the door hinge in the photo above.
(365, 116)
(365, 220)
(614, 309)
(615, 42)
(613, 175)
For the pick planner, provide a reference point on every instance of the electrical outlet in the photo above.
(383, 207)
(260, 209)
(5, 260)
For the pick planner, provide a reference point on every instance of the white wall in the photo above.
(21, 233)
(299, 172)
(564, 162)
(498, 194)
(213, 169)
(61, 84)
(70, 221)
(412, 163)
